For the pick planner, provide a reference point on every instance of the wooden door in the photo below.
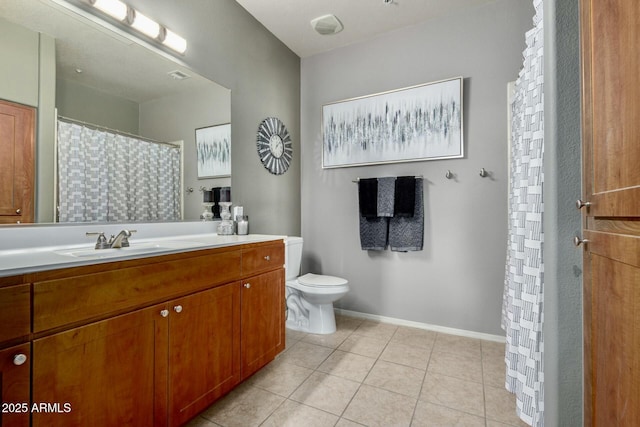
(204, 350)
(15, 363)
(610, 37)
(262, 320)
(101, 374)
(17, 163)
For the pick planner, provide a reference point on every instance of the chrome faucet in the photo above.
(115, 242)
(121, 240)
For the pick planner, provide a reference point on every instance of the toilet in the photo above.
(310, 297)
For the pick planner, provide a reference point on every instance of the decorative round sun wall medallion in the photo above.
(274, 145)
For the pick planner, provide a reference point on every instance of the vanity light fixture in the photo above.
(129, 16)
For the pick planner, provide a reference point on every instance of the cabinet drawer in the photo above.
(15, 314)
(89, 297)
(259, 259)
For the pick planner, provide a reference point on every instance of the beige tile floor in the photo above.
(373, 374)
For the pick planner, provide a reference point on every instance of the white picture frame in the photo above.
(213, 150)
(417, 123)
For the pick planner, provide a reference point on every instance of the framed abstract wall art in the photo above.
(213, 148)
(423, 122)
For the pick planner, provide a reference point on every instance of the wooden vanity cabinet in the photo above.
(14, 385)
(105, 358)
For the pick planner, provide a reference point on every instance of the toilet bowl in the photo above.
(310, 297)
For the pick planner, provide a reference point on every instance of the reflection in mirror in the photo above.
(105, 79)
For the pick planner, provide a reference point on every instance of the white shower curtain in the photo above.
(522, 309)
(106, 176)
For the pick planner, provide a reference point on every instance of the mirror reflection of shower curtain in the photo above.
(106, 176)
(522, 308)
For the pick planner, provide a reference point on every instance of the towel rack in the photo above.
(358, 180)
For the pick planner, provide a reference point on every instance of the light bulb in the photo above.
(113, 8)
(174, 41)
(145, 25)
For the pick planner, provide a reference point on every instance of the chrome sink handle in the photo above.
(102, 241)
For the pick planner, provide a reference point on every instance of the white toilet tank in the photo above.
(292, 256)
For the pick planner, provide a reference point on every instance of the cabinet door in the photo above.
(204, 350)
(14, 386)
(101, 374)
(262, 320)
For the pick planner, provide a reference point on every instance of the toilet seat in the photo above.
(321, 281)
(316, 284)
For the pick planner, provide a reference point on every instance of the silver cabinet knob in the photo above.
(267, 258)
(19, 359)
(483, 172)
(247, 285)
(164, 313)
(580, 204)
(177, 308)
(578, 241)
(18, 211)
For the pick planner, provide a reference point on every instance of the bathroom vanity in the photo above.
(138, 341)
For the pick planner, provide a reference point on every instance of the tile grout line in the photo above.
(353, 332)
(424, 377)
(365, 377)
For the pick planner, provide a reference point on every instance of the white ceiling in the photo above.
(289, 20)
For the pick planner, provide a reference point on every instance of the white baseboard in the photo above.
(419, 325)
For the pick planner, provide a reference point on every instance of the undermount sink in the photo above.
(134, 249)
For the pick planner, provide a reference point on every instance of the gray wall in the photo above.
(457, 280)
(90, 105)
(563, 262)
(227, 45)
(19, 50)
(197, 109)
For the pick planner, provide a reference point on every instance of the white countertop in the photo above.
(29, 260)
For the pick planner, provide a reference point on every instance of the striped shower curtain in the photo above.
(106, 176)
(522, 309)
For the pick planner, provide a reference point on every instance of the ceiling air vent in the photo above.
(327, 24)
(178, 75)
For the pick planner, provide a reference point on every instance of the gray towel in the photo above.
(386, 196)
(373, 233)
(407, 234)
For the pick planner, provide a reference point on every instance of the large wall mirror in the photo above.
(105, 79)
